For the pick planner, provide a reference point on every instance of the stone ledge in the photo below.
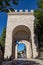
(21, 12)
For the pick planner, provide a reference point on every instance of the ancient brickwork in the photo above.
(16, 19)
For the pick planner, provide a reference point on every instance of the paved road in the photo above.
(23, 62)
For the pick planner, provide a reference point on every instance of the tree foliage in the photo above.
(39, 22)
(3, 37)
(2, 40)
(6, 5)
(40, 4)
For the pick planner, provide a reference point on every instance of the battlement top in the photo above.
(21, 12)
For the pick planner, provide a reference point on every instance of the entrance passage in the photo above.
(23, 35)
(21, 50)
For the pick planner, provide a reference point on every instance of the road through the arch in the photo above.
(23, 62)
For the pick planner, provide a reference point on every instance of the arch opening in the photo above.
(23, 35)
(21, 50)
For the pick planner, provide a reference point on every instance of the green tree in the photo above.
(2, 40)
(39, 22)
(6, 5)
(3, 37)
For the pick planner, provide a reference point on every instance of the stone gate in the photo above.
(20, 26)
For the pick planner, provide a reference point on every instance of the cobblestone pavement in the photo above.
(23, 62)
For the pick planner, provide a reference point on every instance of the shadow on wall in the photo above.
(36, 40)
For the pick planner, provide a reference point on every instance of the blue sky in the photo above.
(21, 47)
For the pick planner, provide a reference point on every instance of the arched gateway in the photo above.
(23, 34)
(20, 26)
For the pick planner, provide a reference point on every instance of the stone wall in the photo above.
(15, 19)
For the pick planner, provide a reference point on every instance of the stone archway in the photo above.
(28, 48)
(23, 35)
(20, 26)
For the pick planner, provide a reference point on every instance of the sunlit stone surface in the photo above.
(20, 26)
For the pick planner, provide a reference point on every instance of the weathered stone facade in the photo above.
(24, 22)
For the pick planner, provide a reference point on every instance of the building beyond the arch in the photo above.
(20, 26)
